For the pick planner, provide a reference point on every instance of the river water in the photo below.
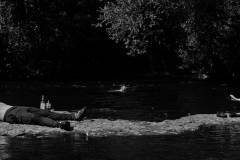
(150, 100)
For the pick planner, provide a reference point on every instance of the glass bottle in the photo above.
(48, 106)
(42, 103)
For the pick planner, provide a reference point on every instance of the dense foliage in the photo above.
(212, 45)
(200, 35)
(77, 37)
(43, 38)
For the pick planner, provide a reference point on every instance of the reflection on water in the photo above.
(219, 142)
(3, 148)
(145, 100)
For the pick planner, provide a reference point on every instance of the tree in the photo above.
(42, 37)
(147, 26)
(14, 41)
(212, 45)
(201, 35)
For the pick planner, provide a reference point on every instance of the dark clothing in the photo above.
(30, 115)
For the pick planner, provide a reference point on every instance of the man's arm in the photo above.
(234, 98)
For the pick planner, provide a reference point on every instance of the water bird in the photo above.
(122, 89)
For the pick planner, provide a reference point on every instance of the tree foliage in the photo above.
(137, 23)
(212, 45)
(203, 34)
(43, 37)
(40, 37)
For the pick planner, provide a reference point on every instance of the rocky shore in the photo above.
(105, 127)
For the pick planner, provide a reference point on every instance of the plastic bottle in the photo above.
(42, 104)
(48, 106)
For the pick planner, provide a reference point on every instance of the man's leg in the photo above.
(51, 115)
(24, 117)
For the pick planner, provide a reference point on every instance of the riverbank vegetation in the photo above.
(119, 38)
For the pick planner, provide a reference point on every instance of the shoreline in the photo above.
(105, 127)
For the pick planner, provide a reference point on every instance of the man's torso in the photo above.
(3, 109)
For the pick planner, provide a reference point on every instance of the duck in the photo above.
(122, 89)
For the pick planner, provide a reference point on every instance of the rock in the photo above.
(105, 127)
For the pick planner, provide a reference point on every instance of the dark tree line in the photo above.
(87, 38)
(199, 35)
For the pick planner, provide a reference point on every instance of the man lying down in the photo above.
(30, 115)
